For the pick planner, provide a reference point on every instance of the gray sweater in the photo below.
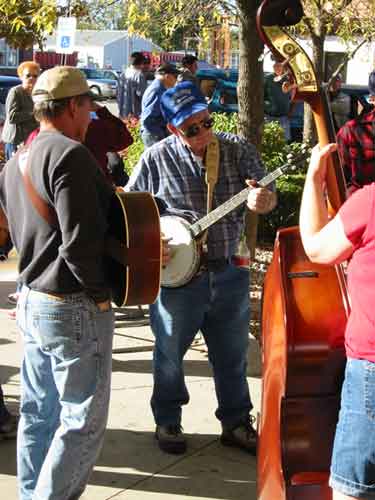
(67, 258)
(19, 118)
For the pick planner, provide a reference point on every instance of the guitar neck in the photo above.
(211, 218)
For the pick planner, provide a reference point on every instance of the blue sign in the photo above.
(65, 42)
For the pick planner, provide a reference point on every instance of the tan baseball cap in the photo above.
(61, 82)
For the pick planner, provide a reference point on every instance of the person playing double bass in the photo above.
(349, 235)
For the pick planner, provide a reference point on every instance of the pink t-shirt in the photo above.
(358, 217)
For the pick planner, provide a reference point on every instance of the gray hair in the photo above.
(48, 110)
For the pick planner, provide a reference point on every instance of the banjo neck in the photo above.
(221, 211)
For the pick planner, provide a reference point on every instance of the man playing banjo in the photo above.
(215, 300)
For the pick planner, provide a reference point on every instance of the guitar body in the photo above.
(134, 248)
(185, 254)
(305, 311)
(4, 232)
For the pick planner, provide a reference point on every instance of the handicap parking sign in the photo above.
(65, 35)
(65, 42)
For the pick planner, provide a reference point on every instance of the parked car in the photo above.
(6, 83)
(111, 74)
(220, 88)
(99, 82)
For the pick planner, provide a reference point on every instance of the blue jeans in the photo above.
(9, 150)
(217, 303)
(65, 381)
(353, 460)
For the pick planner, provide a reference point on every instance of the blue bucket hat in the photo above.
(181, 102)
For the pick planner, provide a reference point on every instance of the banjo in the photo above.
(184, 238)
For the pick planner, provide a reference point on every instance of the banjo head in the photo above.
(185, 256)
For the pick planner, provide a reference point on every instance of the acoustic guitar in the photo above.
(133, 249)
(133, 241)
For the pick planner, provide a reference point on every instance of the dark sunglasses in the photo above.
(30, 75)
(194, 129)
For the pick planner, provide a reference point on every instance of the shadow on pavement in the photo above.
(7, 372)
(192, 368)
(207, 468)
(8, 457)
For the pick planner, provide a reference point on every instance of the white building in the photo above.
(355, 71)
(105, 49)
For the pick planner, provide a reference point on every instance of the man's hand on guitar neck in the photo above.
(260, 200)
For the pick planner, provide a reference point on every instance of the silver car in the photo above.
(98, 83)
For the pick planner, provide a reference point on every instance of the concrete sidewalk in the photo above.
(131, 466)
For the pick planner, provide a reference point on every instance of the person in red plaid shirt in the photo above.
(355, 141)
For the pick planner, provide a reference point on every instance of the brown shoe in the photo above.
(13, 298)
(8, 429)
(242, 436)
(171, 439)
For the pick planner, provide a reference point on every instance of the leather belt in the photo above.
(103, 306)
(213, 265)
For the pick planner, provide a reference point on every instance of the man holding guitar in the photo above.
(216, 299)
(56, 200)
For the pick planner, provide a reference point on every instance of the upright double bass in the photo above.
(305, 311)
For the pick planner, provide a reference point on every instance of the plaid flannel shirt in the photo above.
(356, 146)
(170, 172)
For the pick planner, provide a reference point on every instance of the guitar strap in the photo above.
(211, 161)
(46, 211)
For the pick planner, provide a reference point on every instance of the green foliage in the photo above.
(225, 122)
(24, 22)
(133, 153)
(275, 152)
(167, 22)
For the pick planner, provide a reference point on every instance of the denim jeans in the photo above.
(217, 303)
(353, 459)
(9, 150)
(65, 389)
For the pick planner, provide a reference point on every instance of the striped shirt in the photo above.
(170, 171)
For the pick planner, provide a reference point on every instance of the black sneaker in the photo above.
(242, 436)
(8, 429)
(171, 439)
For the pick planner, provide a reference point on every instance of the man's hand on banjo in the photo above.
(259, 199)
(166, 253)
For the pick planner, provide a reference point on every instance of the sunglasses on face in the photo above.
(193, 130)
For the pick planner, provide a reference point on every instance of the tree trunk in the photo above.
(250, 94)
(250, 80)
